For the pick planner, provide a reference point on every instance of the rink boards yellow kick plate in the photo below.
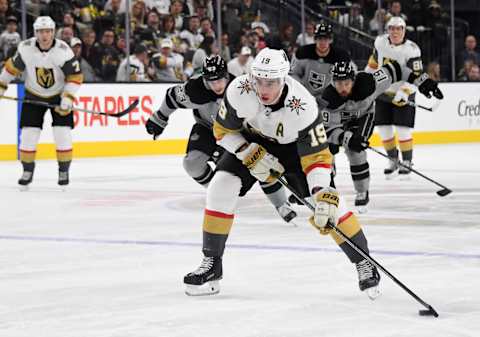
(178, 146)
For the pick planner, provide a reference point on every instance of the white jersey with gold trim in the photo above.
(47, 73)
(406, 54)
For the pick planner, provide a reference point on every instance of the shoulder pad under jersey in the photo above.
(363, 87)
(197, 92)
(332, 98)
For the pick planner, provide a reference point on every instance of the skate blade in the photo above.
(373, 293)
(361, 209)
(209, 288)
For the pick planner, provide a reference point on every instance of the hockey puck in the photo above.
(428, 313)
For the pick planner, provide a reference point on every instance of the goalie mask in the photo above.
(268, 72)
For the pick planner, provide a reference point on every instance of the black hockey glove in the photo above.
(156, 124)
(353, 142)
(427, 86)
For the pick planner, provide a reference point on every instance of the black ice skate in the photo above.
(361, 202)
(25, 179)
(286, 212)
(368, 278)
(404, 171)
(392, 170)
(205, 279)
(63, 178)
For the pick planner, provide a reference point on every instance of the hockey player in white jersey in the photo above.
(203, 94)
(52, 75)
(392, 110)
(348, 106)
(269, 122)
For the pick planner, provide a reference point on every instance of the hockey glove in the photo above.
(66, 105)
(401, 97)
(156, 124)
(262, 165)
(427, 86)
(326, 209)
(353, 142)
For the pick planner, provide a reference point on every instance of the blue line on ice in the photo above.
(237, 246)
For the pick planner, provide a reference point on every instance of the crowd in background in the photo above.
(170, 38)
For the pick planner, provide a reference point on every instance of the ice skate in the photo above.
(361, 202)
(25, 180)
(63, 179)
(368, 278)
(392, 170)
(404, 171)
(205, 279)
(287, 213)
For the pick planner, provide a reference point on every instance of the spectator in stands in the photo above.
(121, 10)
(240, 65)
(87, 70)
(176, 10)
(309, 34)
(353, 18)
(108, 58)
(225, 49)
(113, 18)
(284, 40)
(192, 34)
(249, 11)
(206, 27)
(207, 47)
(121, 45)
(151, 35)
(169, 30)
(438, 22)
(470, 52)
(377, 24)
(262, 31)
(462, 74)
(138, 62)
(202, 8)
(253, 41)
(10, 38)
(369, 8)
(89, 47)
(4, 14)
(167, 64)
(433, 70)
(162, 7)
(138, 15)
(67, 34)
(473, 74)
(396, 10)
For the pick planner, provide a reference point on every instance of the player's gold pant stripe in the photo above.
(349, 225)
(75, 78)
(389, 144)
(217, 222)
(64, 155)
(27, 156)
(219, 130)
(323, 158)
(406, 145)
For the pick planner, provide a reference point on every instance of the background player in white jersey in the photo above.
(269, 122)
(391, 108)
(203, 94)
(52, 75)
(348, 108)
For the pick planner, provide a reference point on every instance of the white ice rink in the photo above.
(107, 257)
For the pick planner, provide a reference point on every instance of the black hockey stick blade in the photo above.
(429, 312)
(127, 110)
(444, 192)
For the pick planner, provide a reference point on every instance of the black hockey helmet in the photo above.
(323, 29)
(214, 68)
(343, 71)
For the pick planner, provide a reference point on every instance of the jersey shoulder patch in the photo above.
(332, 98)
(363, 87)
(307, 52)
(62, 45)
(240, 94)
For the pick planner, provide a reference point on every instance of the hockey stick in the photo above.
(443, 192)
(53, 106)
(430, 310)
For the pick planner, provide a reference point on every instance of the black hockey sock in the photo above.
(206, 176)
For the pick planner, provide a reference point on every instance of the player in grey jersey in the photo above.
(312, 63)
(204, 94)
(348, 111)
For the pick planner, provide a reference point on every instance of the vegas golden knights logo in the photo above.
(45, 77)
